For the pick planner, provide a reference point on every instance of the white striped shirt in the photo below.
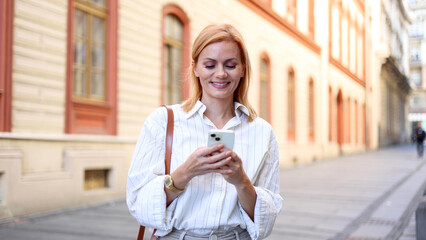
(209, 202)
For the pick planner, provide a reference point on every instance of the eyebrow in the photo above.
(211, 59)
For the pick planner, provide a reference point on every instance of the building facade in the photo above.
(389, 87)
(78, 78)
(417, 103)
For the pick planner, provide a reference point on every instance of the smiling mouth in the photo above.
(220, 84)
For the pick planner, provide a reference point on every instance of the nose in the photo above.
(221, 73)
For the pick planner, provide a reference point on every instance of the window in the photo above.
(264, 89)
(348, 121)
(415, 101)
(311, 18)
(96, 179)
(340, 128)
(175, 54)
(89, 55)
(173, 57)
(311, 111)
(363, 125)
(356, 122)
(347, 37)
(292, 11)
(268, 2)
(416, 29)
(415, 54)
(6, 44)
(92, 67)
(416, 78)
(291, 107)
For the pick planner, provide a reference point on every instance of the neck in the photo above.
(219, 112)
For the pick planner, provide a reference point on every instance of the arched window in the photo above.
(348, 120)
(291, 106)
(311, 110)
(175, 54)
(265, 104)
(363, 125)
(340, 117)
(92, 67)
(356, 122)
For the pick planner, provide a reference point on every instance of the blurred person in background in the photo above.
(420, 138)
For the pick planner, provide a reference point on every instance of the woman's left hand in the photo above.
(234, 172)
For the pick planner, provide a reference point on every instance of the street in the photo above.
(369, 195)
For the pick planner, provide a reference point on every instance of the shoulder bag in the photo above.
(169, 143)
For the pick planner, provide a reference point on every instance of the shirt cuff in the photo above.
(265, 214)
(156, 213)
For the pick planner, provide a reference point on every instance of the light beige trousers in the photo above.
(235, 234)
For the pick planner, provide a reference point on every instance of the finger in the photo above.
(234, 156)
(223, 164)
(226, 172)
(211, 149)
(217, 157)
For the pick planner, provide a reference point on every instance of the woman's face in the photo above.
(219, 70)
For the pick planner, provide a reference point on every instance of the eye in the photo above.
(209, 66)
(231, 66)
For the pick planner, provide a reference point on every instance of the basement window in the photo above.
(96, 179)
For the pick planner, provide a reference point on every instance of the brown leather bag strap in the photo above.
(169, 138)
(141, 232)
(169, 144)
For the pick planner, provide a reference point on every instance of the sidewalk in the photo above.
(365, 196)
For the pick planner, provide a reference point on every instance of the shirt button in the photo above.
(213, 237)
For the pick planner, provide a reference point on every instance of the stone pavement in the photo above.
(365, 196)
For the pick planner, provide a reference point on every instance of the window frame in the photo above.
(311, 19)
(88, 116)
(6, 58)
(291, 130)
(292, 11)
(264, 57)
(348, 120)
(175, 10)
(356, 121)
(311, 110)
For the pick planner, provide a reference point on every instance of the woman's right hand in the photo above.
(203, 160)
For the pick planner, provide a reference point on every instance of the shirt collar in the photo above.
(240, 109)
(200, 108)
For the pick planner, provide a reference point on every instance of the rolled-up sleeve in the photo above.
(268, 201)
(145, 195)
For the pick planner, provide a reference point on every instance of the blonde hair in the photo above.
(212, 34)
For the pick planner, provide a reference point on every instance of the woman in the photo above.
(218, 193)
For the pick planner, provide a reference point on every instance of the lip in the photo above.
(219, 85)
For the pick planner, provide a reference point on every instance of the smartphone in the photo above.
(221, 136)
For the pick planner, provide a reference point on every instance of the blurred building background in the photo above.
(79, 77)
(417, 103)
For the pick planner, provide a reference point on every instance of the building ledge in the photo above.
(68, 137)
